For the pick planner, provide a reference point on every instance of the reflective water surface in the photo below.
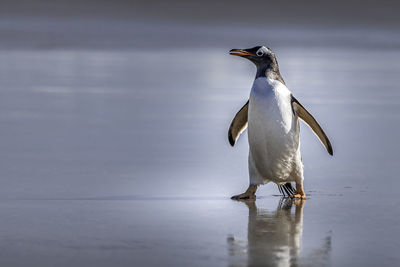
(274, 238)
(120, 158)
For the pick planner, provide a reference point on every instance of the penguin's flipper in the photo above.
(238, 124)
(305, 116)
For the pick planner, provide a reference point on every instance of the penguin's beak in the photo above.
(241, 53)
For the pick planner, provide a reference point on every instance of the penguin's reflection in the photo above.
(274, 238)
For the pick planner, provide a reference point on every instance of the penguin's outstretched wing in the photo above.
(238, 124)
(305, 116)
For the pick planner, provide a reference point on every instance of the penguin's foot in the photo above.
(244, 195)
(298, 195)
(249, 194)
(299, 192)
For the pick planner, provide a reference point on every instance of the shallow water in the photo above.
(121, 158)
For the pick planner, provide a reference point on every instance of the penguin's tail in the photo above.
(286, 190)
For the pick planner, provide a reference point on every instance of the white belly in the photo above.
(273, 133)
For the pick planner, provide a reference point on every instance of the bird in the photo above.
(271, 116)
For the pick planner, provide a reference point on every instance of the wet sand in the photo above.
(111, 158)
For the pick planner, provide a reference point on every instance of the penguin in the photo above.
(272, 116)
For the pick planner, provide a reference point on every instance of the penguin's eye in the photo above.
(260, 53)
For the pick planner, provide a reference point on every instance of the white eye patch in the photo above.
(260, 52)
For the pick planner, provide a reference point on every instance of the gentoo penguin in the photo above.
(272, 116)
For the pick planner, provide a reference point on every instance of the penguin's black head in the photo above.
(263, 58)
(259, 55)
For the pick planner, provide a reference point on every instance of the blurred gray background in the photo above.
(98, 24)
(114, 116)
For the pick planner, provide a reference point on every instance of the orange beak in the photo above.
(240, 52)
